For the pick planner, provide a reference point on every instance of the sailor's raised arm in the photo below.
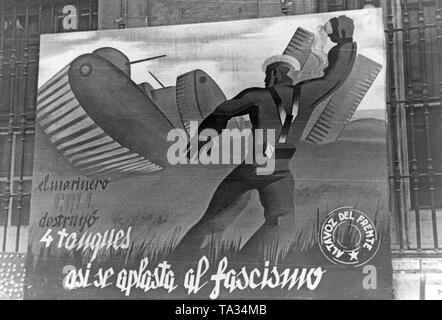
(341, 59)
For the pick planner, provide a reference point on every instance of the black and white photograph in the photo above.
(220, 150)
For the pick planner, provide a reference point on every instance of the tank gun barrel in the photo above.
(147, 59)
(156, 79)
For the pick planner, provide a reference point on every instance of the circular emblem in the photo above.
(348, 237)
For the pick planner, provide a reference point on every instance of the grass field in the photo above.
(350, 172)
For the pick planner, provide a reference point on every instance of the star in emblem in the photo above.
(353, 255)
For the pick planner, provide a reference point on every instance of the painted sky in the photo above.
(231, 52)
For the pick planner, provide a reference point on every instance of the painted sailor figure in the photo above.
(295, 83)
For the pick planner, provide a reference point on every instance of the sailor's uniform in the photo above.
(270, 108)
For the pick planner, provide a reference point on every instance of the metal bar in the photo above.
(410, 105)
(12, 75)
(40, 18)
(334, 6)
(437, 174)
(126, 9)
(91, 12)
(2, 40)
(416, 27)
(438, 19)
(433, 102)
(23, 130)
(397, 182)
(54, 18)
(63, 15)
(430, 167)
(78, 6)
(402, 194)
(2, 43)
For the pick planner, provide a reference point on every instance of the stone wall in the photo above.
(141, 13)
